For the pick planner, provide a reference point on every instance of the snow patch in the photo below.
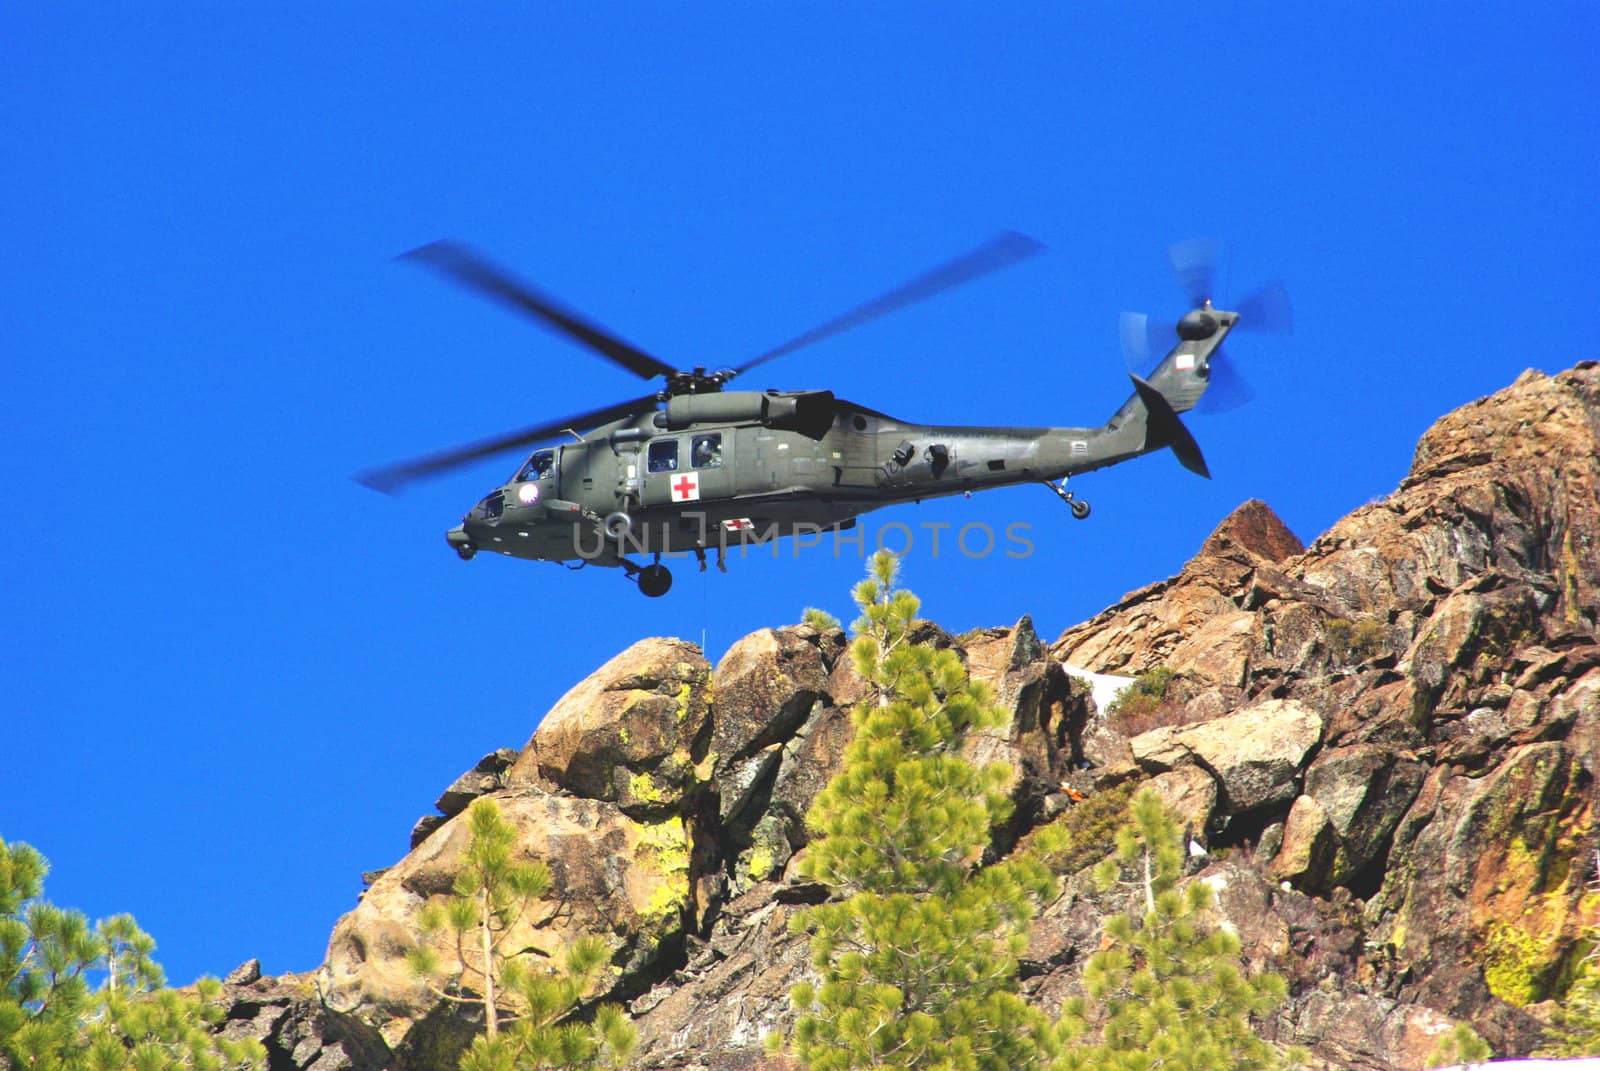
(1105, 686)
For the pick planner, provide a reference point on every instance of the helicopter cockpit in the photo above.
(541, 466)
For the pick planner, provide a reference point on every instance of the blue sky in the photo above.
(233, 677)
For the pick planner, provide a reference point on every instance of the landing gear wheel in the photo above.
(655, 581)
(1080, 508)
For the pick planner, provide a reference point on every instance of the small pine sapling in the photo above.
(1168, 988)
(525, 1011)
(1461, 1047)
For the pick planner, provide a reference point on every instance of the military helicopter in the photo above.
(694, 466)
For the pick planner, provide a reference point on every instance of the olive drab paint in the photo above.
(696, 468)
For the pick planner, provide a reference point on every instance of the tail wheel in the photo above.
(1080, 508)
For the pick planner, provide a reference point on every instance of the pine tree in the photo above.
(1168, 990)
(75, 997)
(1462, 1047)
(524, 1011)
(918, 960)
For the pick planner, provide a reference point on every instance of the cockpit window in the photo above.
(706, 451)
(664, 455)
(540, 466)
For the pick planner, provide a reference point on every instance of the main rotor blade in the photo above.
(999, 252)
(391, 478)
(457, 262)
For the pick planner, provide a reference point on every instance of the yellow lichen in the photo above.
(1519, 870)
(644, 789)
(761, 861)
(664, 847)
(1517, 964)
(1570, 572)
(665, 902)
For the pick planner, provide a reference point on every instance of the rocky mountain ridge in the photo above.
(1385, 742)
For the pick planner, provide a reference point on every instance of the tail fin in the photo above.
(1163, 428)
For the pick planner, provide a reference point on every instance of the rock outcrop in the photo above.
(1446, 638)
(298, 1028)
(1385, 745)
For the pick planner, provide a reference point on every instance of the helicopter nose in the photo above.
(460, 542)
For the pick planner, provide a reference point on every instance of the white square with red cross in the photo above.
(685, 487)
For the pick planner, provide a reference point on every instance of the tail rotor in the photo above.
(1146, 339)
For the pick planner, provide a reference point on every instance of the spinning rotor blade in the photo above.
(1229, 390)
(999, 252)
(392, 477)
(457, 262)
(1145, 340)
(1268, 309)
(1194, 262)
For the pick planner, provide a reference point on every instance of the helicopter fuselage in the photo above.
(644, 486)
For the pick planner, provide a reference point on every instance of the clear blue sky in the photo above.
(232, 677)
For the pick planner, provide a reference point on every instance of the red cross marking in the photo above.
(684, 486)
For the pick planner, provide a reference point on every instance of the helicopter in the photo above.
(694, 466)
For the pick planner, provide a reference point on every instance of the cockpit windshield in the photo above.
(541, 465)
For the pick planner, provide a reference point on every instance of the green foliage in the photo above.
(1089, 830)
(1353, 642)
(1146, 704)
(1461, 1046)
(917, 963)
(493, 893)
(820, 620)
(75, 997)
(906, 813)
(1168, 988)
(1153, 683)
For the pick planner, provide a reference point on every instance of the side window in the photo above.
(664, 455)
(706, 451)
